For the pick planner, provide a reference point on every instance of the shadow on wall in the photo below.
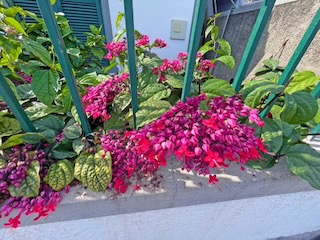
(283, 33)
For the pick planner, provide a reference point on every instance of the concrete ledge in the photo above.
(252, 205)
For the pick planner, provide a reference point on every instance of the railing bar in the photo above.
(60, 49)
(14, 105)
(128, 14)
(256, 34)
(195, 36)
(295, 59)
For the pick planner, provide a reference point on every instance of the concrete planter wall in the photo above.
(252, 205)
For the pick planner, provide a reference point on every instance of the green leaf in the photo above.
(267, 161)
(39, 110)
(72, 132)
(13, 88)
(62, 154)
(121, 102)
(15, 24)
(150, 111)
(302, 81)
(270, 76)
(45, 85)
(224, 46)
(78, 145)
(254, 98)
(146, 77)
(304, 161)
(50, 122)
(60, 174)
(11, 51)
(317, 117)
(175, 81)
(154, 91)
(271, 63)
(272, 135)
(226, 60)
(9, 126)
(94, 170)
(299, 108)
(207, 47)
(25, 91)
(115, 122)
(49, 135)
(74, 51)
(98, 52)
(38, 50)
(119, 19)
(208, 30)
(30, 185)
(18, 139)
(217, 87)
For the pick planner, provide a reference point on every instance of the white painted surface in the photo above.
(247, 219)
(154, 19)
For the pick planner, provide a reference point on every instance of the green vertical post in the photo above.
(295, 59)
(128, 14)
(13, 103)
(194, 41)
(60, 49)
(256, 34)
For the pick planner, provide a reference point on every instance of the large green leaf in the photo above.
(121, 102)
(175, 81)
(60, 174)
(299, 107)
(266, 162)
(30, 185)
(89, 79)
(38, 50)
(39, 110)
(50, 122)
(271, 63)
(226, 60)
(154, 91)
(218, 87)
(11, 51)
(15, 24)
(18, 139)
(302, 81)
(146, 77)
(94, 170)
(45, 85)
(9, 126)
(304, 161)
(73, 131)
(254, 98)
(25, 91)
(150, 111)
(272, 135)
(224, 46)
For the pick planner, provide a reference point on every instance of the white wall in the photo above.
(153, 17)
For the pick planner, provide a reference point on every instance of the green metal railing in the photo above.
(194, 42)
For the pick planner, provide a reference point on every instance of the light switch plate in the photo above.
(178, 29)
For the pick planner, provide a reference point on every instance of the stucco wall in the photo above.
(288, 23)
(154, 19)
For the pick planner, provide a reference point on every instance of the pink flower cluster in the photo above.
(178, 65)
(201, 139)
(99, 98)
(159, 43)
(115, 49)
(142, 41)
(126, 161)
(42, 205)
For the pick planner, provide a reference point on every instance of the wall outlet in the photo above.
(178, 29)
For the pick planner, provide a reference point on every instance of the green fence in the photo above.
(194, 41)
